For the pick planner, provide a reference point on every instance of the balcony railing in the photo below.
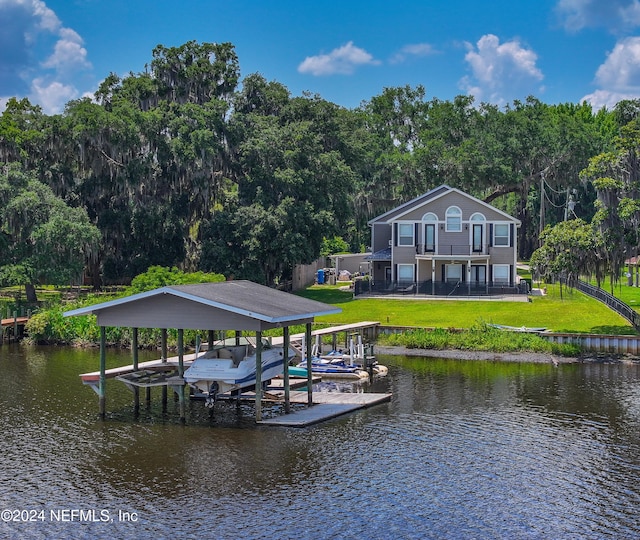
(451, 249)
(438, 288)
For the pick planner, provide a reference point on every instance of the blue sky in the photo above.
(347, 52)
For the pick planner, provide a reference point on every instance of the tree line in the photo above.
(186, 164)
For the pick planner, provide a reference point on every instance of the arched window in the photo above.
(429, 216)
(454, 219)
(477, 217)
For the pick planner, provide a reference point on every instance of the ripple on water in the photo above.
(499, 453)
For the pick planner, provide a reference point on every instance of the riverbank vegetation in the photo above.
(480, 337)
(50, 326)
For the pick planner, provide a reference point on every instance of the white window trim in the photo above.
(495, 236)
(413, 231)
(501, 280)
(458, 214)
(413, 276)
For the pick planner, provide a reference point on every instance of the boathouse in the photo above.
(229, 305)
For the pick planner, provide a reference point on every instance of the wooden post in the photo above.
(164, 359)
(210, 339)
(258, 376)
(181, 372)
(307, 340)
(285, 350)
(134, 354)
(103, 367)
(15, 326)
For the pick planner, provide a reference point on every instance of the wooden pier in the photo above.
(326, 405)
(16, 323)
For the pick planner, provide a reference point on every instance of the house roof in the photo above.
(380, 255)
(227, 305)
(430, 196)
(389, 215)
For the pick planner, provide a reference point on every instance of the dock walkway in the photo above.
(326, 405)
(354, 327)
(20, 321)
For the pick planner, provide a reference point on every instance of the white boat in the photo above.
(226, 368)
(335, 368)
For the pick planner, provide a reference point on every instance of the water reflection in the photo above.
(463, 450)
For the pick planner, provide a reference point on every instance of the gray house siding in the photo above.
(425, 247)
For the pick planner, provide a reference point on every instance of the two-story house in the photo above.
(444, 242)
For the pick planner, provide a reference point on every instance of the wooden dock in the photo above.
(12, 328)
(326, 405)
(20, 321)
(348, 328)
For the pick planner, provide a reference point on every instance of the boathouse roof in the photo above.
(226, 305)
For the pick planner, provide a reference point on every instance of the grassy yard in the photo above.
(573, 312)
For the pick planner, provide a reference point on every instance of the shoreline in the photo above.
(515, 356)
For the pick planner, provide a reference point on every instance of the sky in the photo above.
(347, 52)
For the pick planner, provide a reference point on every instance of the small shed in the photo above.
(633, 271)
(229, 305)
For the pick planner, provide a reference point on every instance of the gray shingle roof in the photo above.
(203, 306)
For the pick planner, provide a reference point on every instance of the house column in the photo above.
(469, 278)
(433, 277)
(486, 277)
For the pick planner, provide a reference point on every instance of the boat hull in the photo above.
(220, 375)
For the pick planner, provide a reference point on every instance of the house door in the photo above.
(479, 273)
(429, 238)
(477, 238)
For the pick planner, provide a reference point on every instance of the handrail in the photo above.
(610, 301)
(455, 287)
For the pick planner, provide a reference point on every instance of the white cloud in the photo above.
(413, 50)
(68, 54)
(606, 98)
(39, 55)
(343, 60)
(615, 15)
(501, 72)
(51, 95)
(621, 69)
(619, 76)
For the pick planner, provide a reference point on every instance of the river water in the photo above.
(464, 450)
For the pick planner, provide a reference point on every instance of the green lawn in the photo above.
(573, 312)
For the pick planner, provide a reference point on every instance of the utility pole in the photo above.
(542, 197)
